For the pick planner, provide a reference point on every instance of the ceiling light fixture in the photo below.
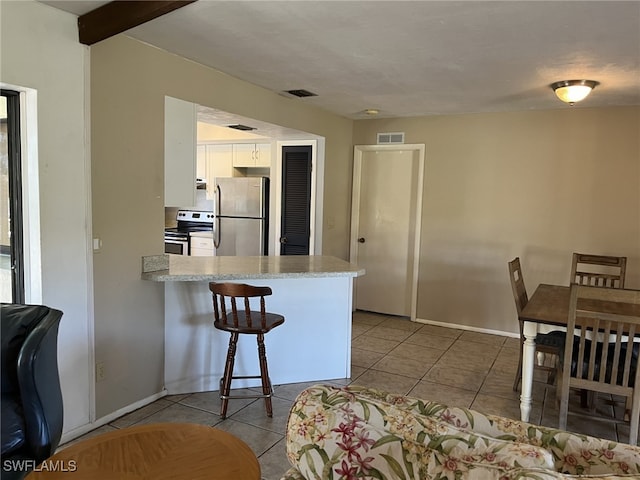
(372, 112)
(572, 91)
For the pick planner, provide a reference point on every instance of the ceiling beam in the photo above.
(121, 15)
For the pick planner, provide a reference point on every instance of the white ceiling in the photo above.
(410, 58)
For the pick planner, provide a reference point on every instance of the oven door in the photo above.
(176, 246)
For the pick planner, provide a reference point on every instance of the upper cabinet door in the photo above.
(244, 155)
(263, 155)
(179, 153)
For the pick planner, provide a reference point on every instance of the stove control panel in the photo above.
(194, 216)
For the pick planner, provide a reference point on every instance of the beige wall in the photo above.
(539, 185)
(128, 83)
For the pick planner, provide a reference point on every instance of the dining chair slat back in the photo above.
(598, 270)
(602, 356)
(521, 299)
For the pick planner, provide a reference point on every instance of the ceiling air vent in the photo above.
(395, 137)
(239, 126)
(302, 93)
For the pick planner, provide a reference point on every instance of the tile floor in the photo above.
(455, 367)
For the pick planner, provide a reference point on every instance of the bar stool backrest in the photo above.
(241, 316)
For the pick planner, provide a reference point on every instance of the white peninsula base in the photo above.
(313, 344)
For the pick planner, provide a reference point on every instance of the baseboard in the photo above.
(78, 432)
(468, 328)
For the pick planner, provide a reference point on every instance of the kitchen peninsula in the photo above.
(314, 293)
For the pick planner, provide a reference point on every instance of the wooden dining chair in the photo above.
(548, 344)
(232, 313)
(592, 361)
(598, 270)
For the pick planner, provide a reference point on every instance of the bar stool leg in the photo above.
(225, 384)
(264, 373)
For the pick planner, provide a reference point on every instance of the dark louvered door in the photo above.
(296, 200)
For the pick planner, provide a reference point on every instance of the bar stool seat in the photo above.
(241, 319)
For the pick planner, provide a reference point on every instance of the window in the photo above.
(11, 246)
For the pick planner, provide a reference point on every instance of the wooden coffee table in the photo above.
(155, 451)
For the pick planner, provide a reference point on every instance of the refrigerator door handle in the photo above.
(216, 241)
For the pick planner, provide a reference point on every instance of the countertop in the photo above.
(178, 268)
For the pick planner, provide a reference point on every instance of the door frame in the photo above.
(358, 153)
(317, 170)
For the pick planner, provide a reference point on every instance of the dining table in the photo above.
(549, 305)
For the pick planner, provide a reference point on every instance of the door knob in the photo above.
(283, 240)
(361, 240)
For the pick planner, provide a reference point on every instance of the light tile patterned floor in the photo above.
(451, 366)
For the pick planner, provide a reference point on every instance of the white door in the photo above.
(385, 226)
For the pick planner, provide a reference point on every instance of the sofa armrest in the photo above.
(40, 391)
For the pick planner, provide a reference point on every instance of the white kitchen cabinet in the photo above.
(219, 165)
(179, 153)
(201, 244)
(214, 161)
(252, 155)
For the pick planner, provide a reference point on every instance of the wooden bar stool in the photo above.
(243, 320)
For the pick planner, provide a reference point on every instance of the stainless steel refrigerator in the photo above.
(241, 216)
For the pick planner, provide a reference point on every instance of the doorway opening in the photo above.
(217, 147)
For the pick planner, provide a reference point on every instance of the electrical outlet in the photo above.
(100, 376)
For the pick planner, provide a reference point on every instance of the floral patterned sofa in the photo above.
(354, 432)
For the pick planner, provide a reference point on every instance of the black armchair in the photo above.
(31, 396)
